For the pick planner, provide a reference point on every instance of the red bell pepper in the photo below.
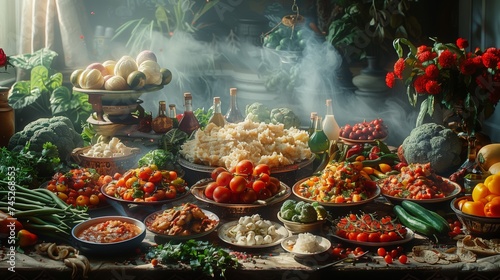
(26, 238)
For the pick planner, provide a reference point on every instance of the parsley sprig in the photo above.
(199, 255)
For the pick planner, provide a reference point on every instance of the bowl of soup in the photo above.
(109, 234)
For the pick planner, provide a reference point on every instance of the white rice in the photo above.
(306, 243)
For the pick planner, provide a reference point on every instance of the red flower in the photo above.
(3, 59)
(490, 60)
(399, 66)
(432, 71)
(389, 79)
(468, 66)
(462, 43)
(422, 49)
(419, 84)
(432, 87)
(447, 59)
(426, 55)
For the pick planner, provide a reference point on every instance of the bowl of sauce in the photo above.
(109, 234)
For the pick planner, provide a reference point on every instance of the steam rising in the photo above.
(208, 69)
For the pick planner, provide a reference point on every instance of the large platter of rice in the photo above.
(306, 244)
(225, 146)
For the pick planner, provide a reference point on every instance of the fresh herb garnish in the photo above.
(199, 255)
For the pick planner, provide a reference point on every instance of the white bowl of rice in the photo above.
(306, 244)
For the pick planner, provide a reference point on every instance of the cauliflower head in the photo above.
(435, 144)
(286, 116)
(258, 112)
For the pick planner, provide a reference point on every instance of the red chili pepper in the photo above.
(399, 165)
(373, 156)
(354, 150)
(26, 238)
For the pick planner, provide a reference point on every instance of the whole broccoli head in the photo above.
(58, 130)
(258, 112)
(435, 144)
(286, 116)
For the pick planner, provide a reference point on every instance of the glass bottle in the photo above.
(318, 142)
(217, 117)
(7, 119)
(330, 125)
(172, 114)
(162, 123)
(311, 123)
(233, 114)
(189, 122)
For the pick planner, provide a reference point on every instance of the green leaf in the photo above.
(22, 95)
(28, 61)
(422, 112)
(40, 78)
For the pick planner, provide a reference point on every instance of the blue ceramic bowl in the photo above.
(89, 247)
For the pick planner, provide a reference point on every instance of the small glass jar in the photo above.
(471, 180)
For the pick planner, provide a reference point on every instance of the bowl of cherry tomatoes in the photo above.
(245, 190)
(146, 185)
(79, 187)
(364, 132)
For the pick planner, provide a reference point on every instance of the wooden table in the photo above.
(267, 263)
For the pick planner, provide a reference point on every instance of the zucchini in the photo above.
(413, 222)
(415, 209)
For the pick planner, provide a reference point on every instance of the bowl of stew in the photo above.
(109, 235)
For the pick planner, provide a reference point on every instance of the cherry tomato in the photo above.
(258, 185)
(171, 192)
(264, 194)
(261, 169)
(222, 194)
(244, 167)
(145, 172)
(362, 237)
(249, 196)
(384, 237)
(381, 251)
(374, 237)
(238, 184)
(94, 199)
(155, 177)
(209, 190)
(394, 253)
(224, 178)
(149, 187)
(82, 200)
(403, 259)
(388, 259)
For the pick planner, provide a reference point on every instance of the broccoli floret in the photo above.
(288, 214)
(308, 214)
(288, 204)
(258, 112)
(299, 205)
(435, 144)
(285, 116)
(58, 130)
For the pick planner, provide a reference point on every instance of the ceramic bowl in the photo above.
(127, 245)
(478, 226)
(297, 227)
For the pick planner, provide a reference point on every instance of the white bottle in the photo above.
(330, 125)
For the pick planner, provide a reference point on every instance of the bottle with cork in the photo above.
(162, 123)
(233, 114)
(172, 114)
(189, 122)
(330, 125)
(217, 117)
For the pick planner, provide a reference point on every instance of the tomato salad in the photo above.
(109, 232)
(146, 184)
(416, 181)
(339, 182)
(366, 227)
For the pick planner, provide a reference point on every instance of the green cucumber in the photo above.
(415, 209)
(413, 222)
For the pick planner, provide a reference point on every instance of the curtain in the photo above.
(8, 37)
(59, 25)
